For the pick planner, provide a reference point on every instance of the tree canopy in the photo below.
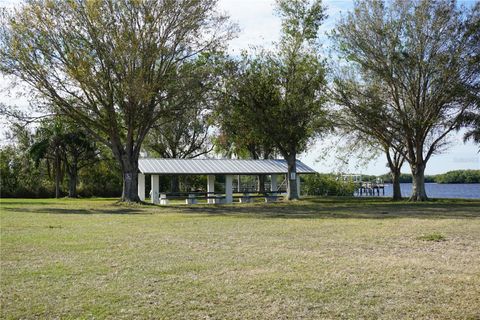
(277, 96)
(418, 52)
(114, 67)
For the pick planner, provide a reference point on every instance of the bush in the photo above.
(326, 185)
(103, 179)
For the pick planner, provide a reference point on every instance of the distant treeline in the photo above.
(456, 176)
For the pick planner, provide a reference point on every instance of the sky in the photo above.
(260, 27)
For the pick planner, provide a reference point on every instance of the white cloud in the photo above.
(258, 24)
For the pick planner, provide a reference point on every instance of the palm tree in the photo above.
(78, 152)
(48, 145)
(471, 120)
(68, 148)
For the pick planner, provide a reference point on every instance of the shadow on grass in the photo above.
(335, 209)
(309, 208)
(119, 211)
(49, 201)
(25, 203)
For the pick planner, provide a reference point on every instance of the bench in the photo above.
(269, 197)
(191, 197)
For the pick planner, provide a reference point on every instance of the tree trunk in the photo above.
(395, 163)
(72, 183)
(418, 183)
(130, 179)
(261, 183)
(58, 164)
(397, 191)
(174, 184)
(292, 192)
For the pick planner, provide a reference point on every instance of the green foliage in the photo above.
(326, 185)
(435, 237)
(456, 176)
(102, 179)
(406, 178)
(276, 99)
(250, 92)
(20, 177)
(459, 176)
(23, 176)
(115, 67)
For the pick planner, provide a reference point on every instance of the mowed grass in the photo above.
(312, 259)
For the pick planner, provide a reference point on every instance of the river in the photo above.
(441, 190)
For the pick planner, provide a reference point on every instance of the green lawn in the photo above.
(313, 259)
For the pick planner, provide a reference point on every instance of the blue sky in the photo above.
(260, 27)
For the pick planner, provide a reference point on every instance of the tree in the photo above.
(280, 93)
(300, 113)
(239, 132)
(67, 148)
(20, 177)
(365, 119)
(185, 137)
(418, 52)
(48, 145)
(114, 67)
(471, 118)
(78, 152)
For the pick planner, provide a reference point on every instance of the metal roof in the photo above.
(217, 166)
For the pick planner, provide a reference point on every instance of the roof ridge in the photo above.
(212, 159)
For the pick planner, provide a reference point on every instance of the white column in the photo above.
(228, 189)
(155, 188)
(211, 187)
(141, 186)
(273, 184)
(298, 185)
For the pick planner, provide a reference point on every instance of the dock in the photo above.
(365, 188)
(370, 189)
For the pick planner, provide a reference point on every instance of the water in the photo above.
(438, 190)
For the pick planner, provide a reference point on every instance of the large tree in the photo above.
(186, 136)
(114, 67)
(280, 91)
(418, 51)
(299, 114)
(364, 118)
(240, 133)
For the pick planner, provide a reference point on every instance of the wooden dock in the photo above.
(370, 189)
(365, 188)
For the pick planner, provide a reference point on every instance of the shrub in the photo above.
(327, 185)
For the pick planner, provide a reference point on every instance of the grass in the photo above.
(312, 259)
(433, 237)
